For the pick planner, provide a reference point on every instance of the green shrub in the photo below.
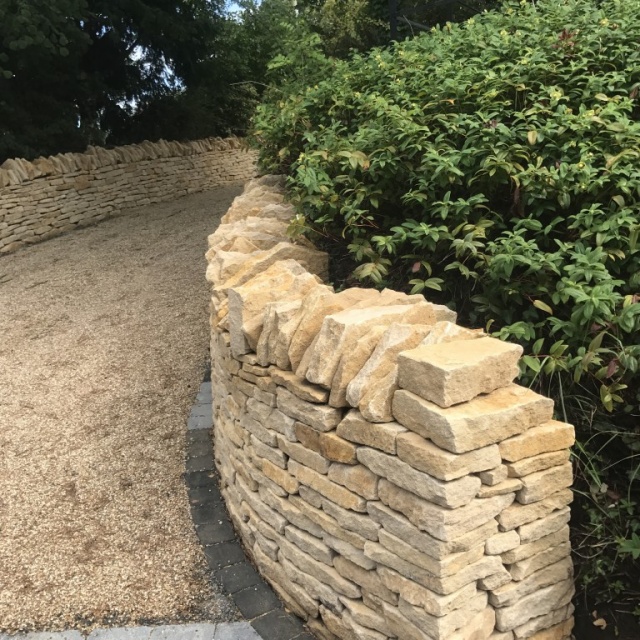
(495, 166)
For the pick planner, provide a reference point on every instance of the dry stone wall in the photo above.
(384, 471)
(49, 196)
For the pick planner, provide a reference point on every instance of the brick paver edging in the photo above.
(226, 557)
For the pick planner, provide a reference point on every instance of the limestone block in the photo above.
(340, 332)
(283, 280)
(336, 625)
(425, 456)
(308, 436)
(442, 523)
(484, 420)
(320, 417)
(402, 528)
(449, 374)
(304, 456)
(290, 512)
(400, 626)
(377, 399)
(337, 449)
(447, 331)
(495, 476)
(550, 436)
(479, 628)
(330, 490)
(419, 596)
(365, 616)
(351, 363)
(360, 632)
(368, 580)
(352, 521)
(541, 462)
(524, 568)
(447, 494)
(276, 314)
(495, 580)
(518, 514)
(317, 549)
(299, 387)
(281, 477)
(283, 424)
(502, 542)
(349, 551)
(357, 478)
(314, 310)
(486, 566)
(548, 598)
(444, 626)
(560, 631)
(381, 436)
(512, 592)
(529, 549)
(313, 587)
(499, 635)
(542, 484)
(439, 568)
(510, 485)
(545, 526)
(397, 337)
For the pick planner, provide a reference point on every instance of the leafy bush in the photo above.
(495, 166)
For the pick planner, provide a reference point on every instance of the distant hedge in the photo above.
(495, 166)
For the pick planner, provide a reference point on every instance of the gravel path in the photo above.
(104, 337)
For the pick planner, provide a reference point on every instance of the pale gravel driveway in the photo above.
(103, 342)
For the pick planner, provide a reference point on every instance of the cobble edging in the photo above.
(226, 557)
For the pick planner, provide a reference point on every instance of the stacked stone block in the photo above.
(382, 468)
(49, 196)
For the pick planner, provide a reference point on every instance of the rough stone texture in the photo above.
(50, 196)
(456, 372)
(386, 475)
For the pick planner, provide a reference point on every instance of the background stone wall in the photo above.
(384, 472)
(49, 196)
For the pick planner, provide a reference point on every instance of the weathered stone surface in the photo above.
(301, 388)
(560, 631)
(425, 456)
(340, 331)
(381, 436)
(310, 584)
(349, 551)
(447, 331)
(274, 316)
(518, 514)
(550, 436)
(319, 417)
(542, 484)
(337, 449)
(495, 476)
(363, 615)
(285, 279)
(495, 580)
(448, 374)
(442, 523)
(303, 455)
(283, 424)
(510, 485)
(545, 622)
(440, 568)
(502, 542)
(399, 526)
(357, 522)
(512, 592)
(330, 490)
(526, 608)
(356, 478)
(443, 626)
(397, 337)
(368, 580)
(483, 421)
(308, 436)
(375, 404)
(315, 307)
(543, 527)
(351, 363)
(317, 549)
(288, 510)
(479, 628)
(524, 568)
(541, 462)
(281, 477)
(400, 626)
(487, 565)
(448, 494)
(524, 551)
(419, 596)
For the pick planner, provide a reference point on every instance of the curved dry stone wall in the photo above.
(48, 196)
(385, 473)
